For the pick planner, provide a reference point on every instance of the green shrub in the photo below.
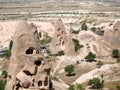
(90, 57)
(60, 53)
(76, 44)
(54, 78)
(2, 84)
(118, 87)
(115, 53)
(4, 74)
(118, 60)
(99, 64)
(93, 29)
(10, 45)
(71, 87)
(84, 26)
(80, 87)
(75, 32)
(96, 83)
(47, 40)
(69, 69)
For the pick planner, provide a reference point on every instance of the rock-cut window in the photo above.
(29, 50)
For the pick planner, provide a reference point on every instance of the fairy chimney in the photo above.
(28, 68)
(59, 39)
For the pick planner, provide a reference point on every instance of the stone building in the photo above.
(28, 68)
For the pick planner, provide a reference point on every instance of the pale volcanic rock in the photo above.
(28, 67)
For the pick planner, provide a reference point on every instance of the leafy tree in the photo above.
(11, 44)
(84, 26)
(76, 44)
(71, 87)
(99, 63)
(75, 32)
(96, 83)
(118, 60)
(46, 40)
(69, 69)
(118, 87)
(90, 57)
(4, 74)
(93, 29)
(2, 84)
(60, 53)
(80, 87)
(115, 53)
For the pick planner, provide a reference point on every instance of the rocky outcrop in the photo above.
(59, 39)
(112, 33)
(28, 68)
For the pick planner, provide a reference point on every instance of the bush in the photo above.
(47, 40)
(60, 53)
(4, 74)
(118, 60)
(10, 45)
(84, 26)
(118, 87)
(99, 64)
(2, 84)
(75, 32)
(54, 78)
(96, 83)
(80, 87)
(90, 57)
(115, 53)
(76, 44)
(71, 87)
(69, 69)
(93, 29)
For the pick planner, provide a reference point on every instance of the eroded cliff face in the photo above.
(28, 69)
(112, 34)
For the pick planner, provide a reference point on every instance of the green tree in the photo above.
(84, 26)
(93, 29)
(71, 87)
(76, 44)
(80, 87)
(99, 64)
(4, 74)
(96, 83)
(60, 53)
(11, 44)
(69, 69)
(90, 57)
(115, 53)
(2, 84)
(118, 87)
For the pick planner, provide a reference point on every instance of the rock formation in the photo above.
(112, 34)
(59, 39)
(28, 69)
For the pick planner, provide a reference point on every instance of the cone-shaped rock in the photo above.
(59, 39)
(28, 69)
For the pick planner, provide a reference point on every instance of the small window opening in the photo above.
(39, 83)
(30, 50)
(37, 62)
(46, 81)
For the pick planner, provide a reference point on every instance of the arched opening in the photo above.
(46, 81)
(37, 62)
(30, 50)
(39, 83)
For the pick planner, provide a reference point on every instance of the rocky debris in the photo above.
(28, 68)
